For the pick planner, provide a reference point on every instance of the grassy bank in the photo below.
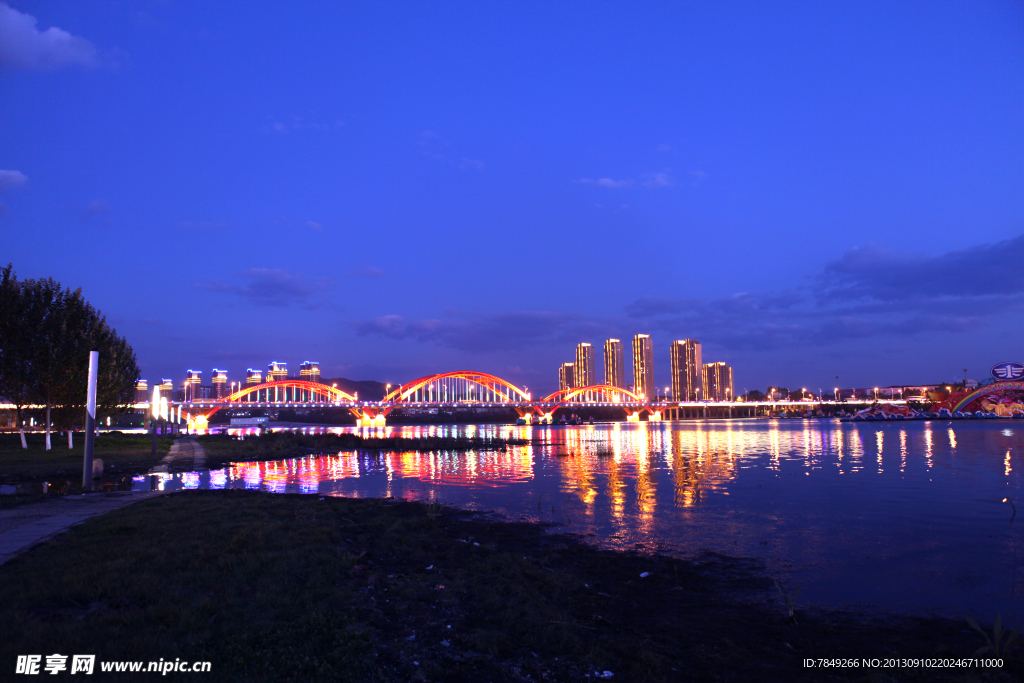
(298, 588)
(222, 448)
(126, 453)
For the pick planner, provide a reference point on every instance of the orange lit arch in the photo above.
(606, 392)
(318, 393)
(506, 391)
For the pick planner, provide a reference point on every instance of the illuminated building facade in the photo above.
(643, 366)
(193, 380)
(718, 382)
(310, 370)
(220, 384)
(614, 364)
(566, 376)
(583, 370)
(166, 387)
(253, 376)
(141, 390)
(277, 370)
(687, 364)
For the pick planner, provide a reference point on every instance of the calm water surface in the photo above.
(896, 516)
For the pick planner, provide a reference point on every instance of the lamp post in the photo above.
(876, 394)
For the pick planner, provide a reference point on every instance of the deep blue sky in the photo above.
(809, 189)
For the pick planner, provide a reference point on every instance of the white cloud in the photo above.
(657, 179)
(608, 182)
(313, 225)
(23, 46)
(11, 179)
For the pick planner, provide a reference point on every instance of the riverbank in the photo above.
(296, 587)
(223, 449)
(121, 454)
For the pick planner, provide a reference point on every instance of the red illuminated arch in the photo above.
(507, 392)
(319, 393)
(606, 392)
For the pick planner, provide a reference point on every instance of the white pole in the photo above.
(90, 420)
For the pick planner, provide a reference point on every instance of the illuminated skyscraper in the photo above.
(310, 370)
(277, 370)
(583, 370)
(718, 382)
(566, 376)
(220, 383)
(686, 363)
(193, 380)
(141, 390)
(643, 366)
(253, 376)
(614, 364)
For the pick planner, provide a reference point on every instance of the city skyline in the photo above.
(849, 176)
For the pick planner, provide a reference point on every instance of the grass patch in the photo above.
(222, 449)
(121, 453)
(272, 587)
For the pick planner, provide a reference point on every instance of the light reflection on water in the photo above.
(901, 516)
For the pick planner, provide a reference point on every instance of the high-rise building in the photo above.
(193, 379)
(686, 363)
(253, 376)
(583, 370)
(141, 390)
(220, 384)
(310, 370)
(566, 376)
(614, 370)
(277, 370)
(643, 366)
(718, 382)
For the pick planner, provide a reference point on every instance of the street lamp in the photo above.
(876, 394)
(803, 394)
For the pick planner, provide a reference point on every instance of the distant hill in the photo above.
(367, 388)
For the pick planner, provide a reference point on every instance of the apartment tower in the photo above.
(566, 376)
(686, 361)
(583, 369)
(614, 372)
(643, 366)
(220, 383)
(310, 371)
(718, 382)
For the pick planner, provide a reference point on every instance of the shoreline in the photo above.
(393, 590)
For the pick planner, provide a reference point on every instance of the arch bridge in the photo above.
(447, 389)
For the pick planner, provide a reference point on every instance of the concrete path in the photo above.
(25, 526)
(185, 454)
(28, 525)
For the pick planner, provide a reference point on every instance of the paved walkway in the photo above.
(186, 453)
(26, 526)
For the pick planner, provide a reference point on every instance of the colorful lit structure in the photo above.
(643, 366)
(583, 370)
(220, 384)
(310, 370)
(253, 376)
(277, 371)
(685, 358)
(614, 364)
(717, 380)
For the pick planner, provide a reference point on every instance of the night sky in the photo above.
(396, 189)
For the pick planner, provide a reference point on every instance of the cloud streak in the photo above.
(10, 180)
(654, 180)
(869, 292)
(24, 46)
(272, 287)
